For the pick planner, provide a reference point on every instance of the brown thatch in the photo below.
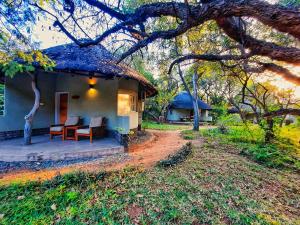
(96, 61)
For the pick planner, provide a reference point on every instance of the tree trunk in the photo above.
(195, 102)
(29, 118)
(282, 121)
(269, 135)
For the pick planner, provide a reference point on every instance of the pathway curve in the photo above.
(159, 146)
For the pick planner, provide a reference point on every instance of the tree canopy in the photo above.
(139, 23)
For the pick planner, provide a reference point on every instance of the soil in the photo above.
(157, 146)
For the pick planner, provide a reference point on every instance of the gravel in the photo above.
(39, 165)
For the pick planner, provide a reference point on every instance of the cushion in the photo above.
(96, 121)
(83, 131)
(72, 121)
(56, 128)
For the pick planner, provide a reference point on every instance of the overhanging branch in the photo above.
(259, 47)
(282, 112)
(207, 57)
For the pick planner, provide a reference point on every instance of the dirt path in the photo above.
(159, 146)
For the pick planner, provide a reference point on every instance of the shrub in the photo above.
(178, 157)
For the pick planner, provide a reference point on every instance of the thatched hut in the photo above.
(85, 82)
(181, 109)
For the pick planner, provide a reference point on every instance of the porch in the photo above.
(44, 149)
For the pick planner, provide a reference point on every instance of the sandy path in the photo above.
(159, 146)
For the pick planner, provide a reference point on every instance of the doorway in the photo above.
(61, 107)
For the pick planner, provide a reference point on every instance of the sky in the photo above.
(51, 37)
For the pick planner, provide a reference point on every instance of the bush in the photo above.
(271, 156)
(230, 120)
(178, 157)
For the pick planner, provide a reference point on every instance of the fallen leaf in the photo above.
(20, 197)
(53, 207)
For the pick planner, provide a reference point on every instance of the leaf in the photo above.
(53, 207)
(20, 197)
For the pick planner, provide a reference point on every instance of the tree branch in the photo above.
(281, 112)
(258, 47)
(207, 57)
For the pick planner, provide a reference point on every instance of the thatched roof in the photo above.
(184, 101)
(95, 60)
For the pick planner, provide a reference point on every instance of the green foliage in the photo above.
(162, 126)
(178, 157)
(271, 155)
(229, 119)
(250, 138)
(13, 60)
(292, 3)
(12, 67)
(190, 134)
(217, 112)
(140, 67)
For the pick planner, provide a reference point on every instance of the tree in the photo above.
(264, 101)
(18, 55)
(233, 40)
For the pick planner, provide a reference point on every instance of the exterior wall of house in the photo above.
(176, 114)
(98, 101)
(19, 99)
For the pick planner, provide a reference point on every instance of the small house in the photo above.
(181, 109)
(85, 82)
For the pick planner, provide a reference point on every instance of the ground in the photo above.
(215, 185)
(157, 147)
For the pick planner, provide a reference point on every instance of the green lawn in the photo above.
(282, 152)
(215, 185)
(163, 126)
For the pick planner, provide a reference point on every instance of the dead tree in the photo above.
(29, 117)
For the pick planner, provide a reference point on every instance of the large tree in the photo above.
(232, 16)
(134, 25)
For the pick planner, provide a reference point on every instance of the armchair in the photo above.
(59, 129)
(95, 129)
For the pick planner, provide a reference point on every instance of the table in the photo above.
(70, 132)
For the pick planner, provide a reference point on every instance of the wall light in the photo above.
(91, 86)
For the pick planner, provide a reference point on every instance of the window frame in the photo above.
(132, 100)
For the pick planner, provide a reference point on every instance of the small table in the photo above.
(70, 132)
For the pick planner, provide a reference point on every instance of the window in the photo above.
(2, 96)
(126, 102)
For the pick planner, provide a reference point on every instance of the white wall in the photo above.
(102, 101)
(176, 114)
(19, 99)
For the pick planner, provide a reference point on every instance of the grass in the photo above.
(215, 185)
(163, 126)
(283, 152)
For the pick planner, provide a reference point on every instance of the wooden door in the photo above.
(63, 107)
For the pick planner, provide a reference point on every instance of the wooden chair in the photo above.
(59, 129)
(95, 129)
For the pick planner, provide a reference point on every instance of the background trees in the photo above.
(216, 39)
